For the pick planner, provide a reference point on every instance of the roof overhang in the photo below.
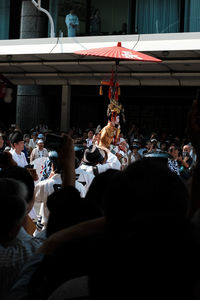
(51, 61)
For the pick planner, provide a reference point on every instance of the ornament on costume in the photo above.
(114, 109)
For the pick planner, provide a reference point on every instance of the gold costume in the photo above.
(107, 135)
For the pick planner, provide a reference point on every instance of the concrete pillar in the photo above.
(31, 106)
(30, 103)
(65, 108)
(33, 22)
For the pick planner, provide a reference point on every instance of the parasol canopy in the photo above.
(118, 52)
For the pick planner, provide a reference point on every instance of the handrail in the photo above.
(38, 6)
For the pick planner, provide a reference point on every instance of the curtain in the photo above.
(192, 15)
(4, 19)
(157, 16)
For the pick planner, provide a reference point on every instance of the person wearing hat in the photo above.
(154, 147)
(39, 151)
(17, 143)
(41, 136)
(110, 134)
(122, 152)
(97, 160)
(134, 155)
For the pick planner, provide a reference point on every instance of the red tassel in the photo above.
(111, 116)
(119, 91)
(101, 90)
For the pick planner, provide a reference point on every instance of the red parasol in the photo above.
(118, 52)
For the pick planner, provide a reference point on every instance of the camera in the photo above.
(54, 141)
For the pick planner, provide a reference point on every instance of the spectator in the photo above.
(154, 147)
(72, 23)
(134, 155)
(89, 139)
(24, 176)
(186, 162)
(63, 213)
(146, 234)
(95, 23)
(33, 141)
(164, 146)
(42, 127)
(173, 161)
(41, 136)
(17, 143)
(122, 152)
(6, 160)
(46, 187)
(16, 246)
(39, 151)
(143, 148)
(1, 142)
(97, 160)
(26, 144)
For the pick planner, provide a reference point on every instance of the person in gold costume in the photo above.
(110, 133)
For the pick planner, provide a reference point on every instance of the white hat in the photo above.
(40, 141)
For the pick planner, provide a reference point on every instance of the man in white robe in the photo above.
(18, 146)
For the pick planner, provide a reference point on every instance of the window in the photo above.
(192, 16)
(4, 19)
(111, 17)
(158, 16)
(114, 15)
(60, 8)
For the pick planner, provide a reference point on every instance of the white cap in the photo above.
(40, 141)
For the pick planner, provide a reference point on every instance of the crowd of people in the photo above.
(114, 219)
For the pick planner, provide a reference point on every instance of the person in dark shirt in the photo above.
(186, 163)
(1, 143)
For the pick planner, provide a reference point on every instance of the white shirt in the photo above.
(20, 159)
(45, 188)
(33, 143)
(84, 177)
(111, 163)
(36, 153)
(42, 190)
